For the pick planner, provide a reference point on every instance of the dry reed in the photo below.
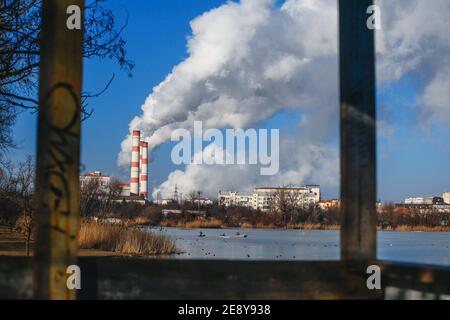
(123, 239)
(404, 228)
(196, 224)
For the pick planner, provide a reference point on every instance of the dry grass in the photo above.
(140, 221)
(313, 226)
(301, 226)
(316, 226)
(404, 228)
(197, 224)
(122, 239)
(218, 224)
(259, 225)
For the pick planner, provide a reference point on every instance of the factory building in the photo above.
(262, 198)
(125, 190)
(137, 189)
(424, 201)
(428, 204)
(419, 200)
(312, 190)
(253, 200)
(103, 182)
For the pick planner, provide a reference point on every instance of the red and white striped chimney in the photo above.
(134, 183)
(144, 170)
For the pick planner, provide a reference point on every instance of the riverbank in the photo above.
(217, 224)
(12, 244)
(99, 240)
(416, 229)
(304, 245)
(196, 224)
(126, 240)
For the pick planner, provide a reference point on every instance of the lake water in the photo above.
(416, 247)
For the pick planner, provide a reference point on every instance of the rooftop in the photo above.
(95, 174)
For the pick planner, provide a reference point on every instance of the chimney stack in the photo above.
(144, 170)
(135, 163)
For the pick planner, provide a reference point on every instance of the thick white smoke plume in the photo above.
(249, 60)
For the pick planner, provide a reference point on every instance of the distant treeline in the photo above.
(389, 217)
(16, 193)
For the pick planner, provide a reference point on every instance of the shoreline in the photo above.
(305, 227)
(13, 244)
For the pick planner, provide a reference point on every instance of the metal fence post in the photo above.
(58, 150)
(358, 131)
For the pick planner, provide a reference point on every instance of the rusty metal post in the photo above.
(358, 131)
(58, 151)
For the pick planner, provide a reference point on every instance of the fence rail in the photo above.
(113, 278)
(130, 278)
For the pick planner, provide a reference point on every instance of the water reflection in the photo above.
(281, 245)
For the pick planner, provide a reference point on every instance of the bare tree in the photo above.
(7, 180)
(7, 119)
(16, 195)
(193, 195)
(98, 200)
(288, 203)
(199, 199)
(108, 196)
(89, 194)
(20, 22)
(25, 192)
(10, 210)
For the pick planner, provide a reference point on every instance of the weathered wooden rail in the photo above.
(120, 278)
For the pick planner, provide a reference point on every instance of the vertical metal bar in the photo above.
(58, 151)
(358, 131)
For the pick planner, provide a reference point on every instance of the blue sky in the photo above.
(411, 161)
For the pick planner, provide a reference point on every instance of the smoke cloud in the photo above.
(249, 60)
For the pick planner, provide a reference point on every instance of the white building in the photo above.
(103, 181)
(164, 202)
(104, 186)
(419, 200)
(202, 201)
(329, 204)
(446, 197)
(261, 198)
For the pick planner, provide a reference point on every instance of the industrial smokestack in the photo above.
(144, 170)
(140, 163)
(134, 183)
